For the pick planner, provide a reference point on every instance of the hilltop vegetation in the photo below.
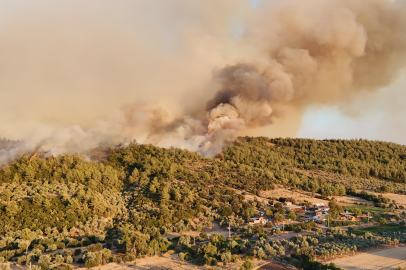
(143, 192)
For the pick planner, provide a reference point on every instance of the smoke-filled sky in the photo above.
(75, 75)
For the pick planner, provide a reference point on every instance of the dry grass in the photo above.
(302, 196)
(400, 199)
(390, 258)
(351, 200)
(299, 196)
(166, 263)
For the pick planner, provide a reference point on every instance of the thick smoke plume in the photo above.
(69, 75)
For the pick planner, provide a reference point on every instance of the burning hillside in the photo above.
(291, 55)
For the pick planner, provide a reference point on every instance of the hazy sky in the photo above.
(75, 74)
(379, 116)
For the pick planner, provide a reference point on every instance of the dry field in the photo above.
(350, 200)
(400, 199)
(302, 195)
(283, 192)
(166, 263)
(157, 263)
(389, 258)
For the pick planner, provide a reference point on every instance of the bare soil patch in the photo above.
(390, 258)
(300, 196)
(274, 266)
(400, 199)
(351, 201)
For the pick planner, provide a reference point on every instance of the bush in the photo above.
(246, 265)
(292, 216)
(91, 263)
(263, 235)
(44, 266)
(226, 211)
(182, 256)
(22, 260)
(4, 266)
(382, 221)
(69, 259)
(78, 251)
(235, 258)
(64, 267)
(61, 245)
(203, 235)
(129, 257)
(117, 259)
(95, 247)
(59, 259)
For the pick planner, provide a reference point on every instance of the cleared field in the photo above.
(390, 258)
(167, 263)
(351, 201)
(400, 199)
(282, 192)
(274, 266)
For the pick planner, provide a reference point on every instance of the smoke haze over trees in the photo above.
(75, 76)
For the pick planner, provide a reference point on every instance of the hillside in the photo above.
(143, 192)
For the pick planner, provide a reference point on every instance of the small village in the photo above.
(317, 213)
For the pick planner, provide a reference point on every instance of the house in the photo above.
(318, 213)
(318, 205)
(259, 220)
(347, 216)
(294, 208)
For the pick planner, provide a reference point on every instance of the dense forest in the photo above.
(142, 192)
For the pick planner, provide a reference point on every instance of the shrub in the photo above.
(292, 216)
(263, 235)
(182, 256)
(22, 260)
(95, 247)
(52, 247)
(78, 251)
(69, 259)
(226, 211)
(91, 263)
(59, 259)
(247, 265)
(44, 266)
(128, 257)
(203, 235)
(382, 221)
(4, 266)
(235, 258)
(64, 267)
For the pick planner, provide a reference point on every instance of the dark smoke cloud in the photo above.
(73, 66)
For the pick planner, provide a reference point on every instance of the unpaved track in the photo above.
(389, 258)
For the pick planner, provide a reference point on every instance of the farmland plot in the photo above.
(390, 258)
